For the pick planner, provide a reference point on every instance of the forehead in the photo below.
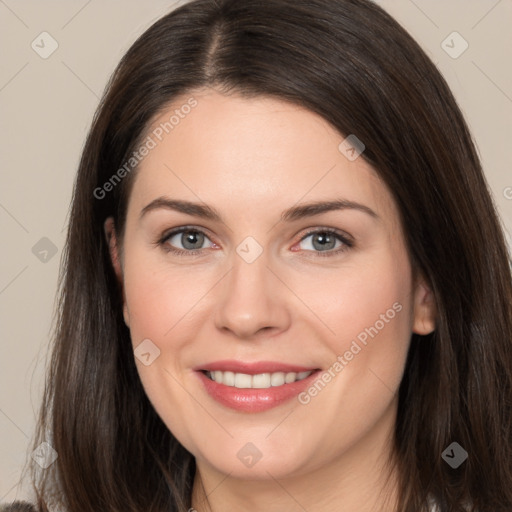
(258, 153)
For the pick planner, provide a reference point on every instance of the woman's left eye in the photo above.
(187, 241)
(324, 241)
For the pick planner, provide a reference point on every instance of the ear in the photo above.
(113, 247)
(424, 321)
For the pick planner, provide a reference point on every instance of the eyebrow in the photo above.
(294, 213)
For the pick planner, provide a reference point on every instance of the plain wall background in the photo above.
(46, 107)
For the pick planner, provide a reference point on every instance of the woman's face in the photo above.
(266, 290)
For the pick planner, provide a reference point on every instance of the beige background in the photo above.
(46, 106)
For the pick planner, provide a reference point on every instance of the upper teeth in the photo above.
(260, 381)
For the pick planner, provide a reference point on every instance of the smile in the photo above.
(254, 387)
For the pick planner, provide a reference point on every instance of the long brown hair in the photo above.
(351, 63)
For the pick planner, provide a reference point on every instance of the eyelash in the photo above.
(347, 243)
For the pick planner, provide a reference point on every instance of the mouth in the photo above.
(254, 387)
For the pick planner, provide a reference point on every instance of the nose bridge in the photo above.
(249, 275)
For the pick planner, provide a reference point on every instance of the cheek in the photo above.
(375, 303)
(159, 296)
(368, 310)
(355, 300)
(371, 318)
(147, 300)
(160, 303)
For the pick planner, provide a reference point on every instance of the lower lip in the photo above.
(254, 400)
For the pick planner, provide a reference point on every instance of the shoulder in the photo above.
(17, 506)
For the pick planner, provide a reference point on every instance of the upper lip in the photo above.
(253, 368)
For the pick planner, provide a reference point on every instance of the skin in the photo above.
(251, 159)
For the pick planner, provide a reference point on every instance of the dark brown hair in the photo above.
(351, 63)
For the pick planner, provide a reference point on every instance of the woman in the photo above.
(285, 284)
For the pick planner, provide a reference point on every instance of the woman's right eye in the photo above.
(185, 241)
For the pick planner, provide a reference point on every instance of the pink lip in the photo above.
(252, 368)
(253, 400)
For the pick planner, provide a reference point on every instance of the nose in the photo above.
(252, 301)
